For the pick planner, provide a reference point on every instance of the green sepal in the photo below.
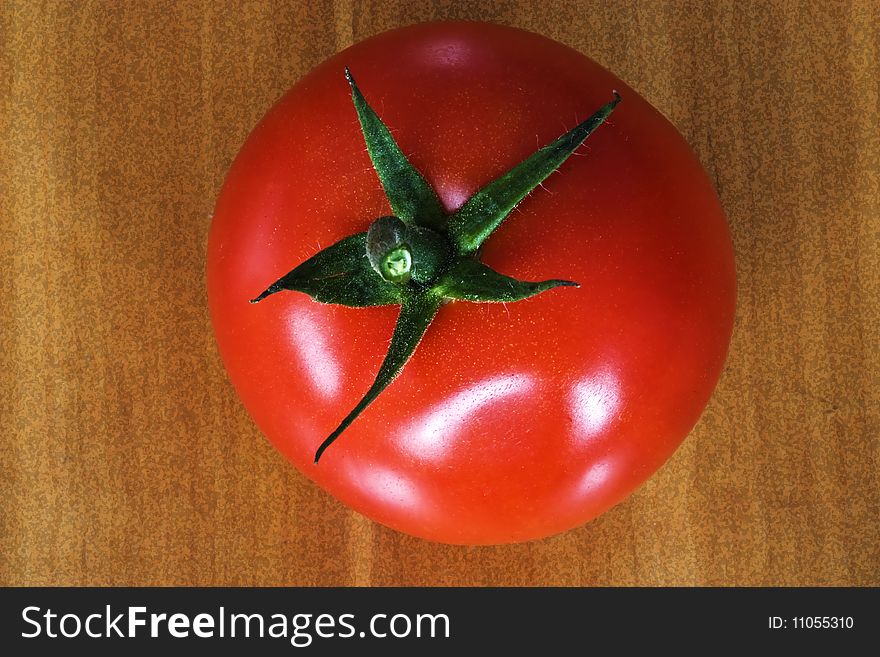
(484, 211)
(470, 280)
(416, 314)
(411, 197)
(339, 274)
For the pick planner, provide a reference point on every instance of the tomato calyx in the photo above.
(420, 257)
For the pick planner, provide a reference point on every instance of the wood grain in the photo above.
(125, 456)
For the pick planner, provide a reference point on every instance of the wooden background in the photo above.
(125, 456)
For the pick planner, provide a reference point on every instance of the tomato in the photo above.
(510, 421)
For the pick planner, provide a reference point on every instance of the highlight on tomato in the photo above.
(479, 294)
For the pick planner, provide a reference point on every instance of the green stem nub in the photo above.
(387, 250)
(399, 252)
(396, 267)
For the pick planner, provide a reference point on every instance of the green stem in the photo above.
(387, 250)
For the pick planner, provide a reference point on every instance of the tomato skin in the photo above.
(510, 422)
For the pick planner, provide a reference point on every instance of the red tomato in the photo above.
(510, 422)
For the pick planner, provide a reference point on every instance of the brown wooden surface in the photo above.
(126, 457)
